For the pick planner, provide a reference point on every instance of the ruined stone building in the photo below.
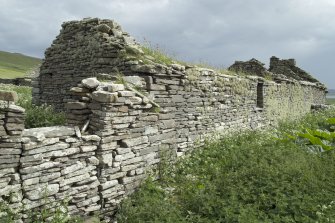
(126, 107)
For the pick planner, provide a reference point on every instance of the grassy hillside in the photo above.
(331, 101)
(14, 65)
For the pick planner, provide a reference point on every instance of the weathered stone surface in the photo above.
(135, 141)
(103, 96)
(49, 132)
(73, 168)
(107, 159)
(115, 87)
(75, 105)
(8, 96)
(126, 94)
(79, 90)
(94, 138)
(135, 80)
(14, 109)
(90, 83)
(55, 147)
(39, 192)
(103, 28)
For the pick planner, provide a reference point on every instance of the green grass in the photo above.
(36, 116)
(14, 65)
(249, 177)
(331, 101)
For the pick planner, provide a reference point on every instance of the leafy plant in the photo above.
(36, 116)
(321, 139)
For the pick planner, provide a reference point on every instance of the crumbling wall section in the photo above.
(290, 70)
(251, 67)
(83, 49)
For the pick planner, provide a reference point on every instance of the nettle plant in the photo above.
(322, 140)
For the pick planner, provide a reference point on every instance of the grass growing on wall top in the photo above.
(244, 178)
(157, 54)
(36, 116)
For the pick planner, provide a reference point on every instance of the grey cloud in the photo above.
(216, 31)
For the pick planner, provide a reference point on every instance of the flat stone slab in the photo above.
(104, 96)
(49, 132)
(90, 83)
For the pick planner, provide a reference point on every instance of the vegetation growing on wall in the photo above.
(287, 97)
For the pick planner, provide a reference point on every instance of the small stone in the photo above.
(15, 109)
(73, 168)
(150, 130)
(85, 149)
(90, 83)
(75, 105)
(94, 138)
(107, 159)
(93, 160)
(79, 90)
(126, 94)
(134, 100)
(103, 28)
(104, 96)
(135, 141)
(115, 87)
(109, 184)
(135, 80)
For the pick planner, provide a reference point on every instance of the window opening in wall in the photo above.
(260, 95)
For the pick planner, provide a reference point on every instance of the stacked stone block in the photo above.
(57, 164)
(11, 126)
(133, 132)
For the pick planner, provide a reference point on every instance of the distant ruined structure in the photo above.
(125, 111)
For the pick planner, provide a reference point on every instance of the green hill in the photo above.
(14, 65)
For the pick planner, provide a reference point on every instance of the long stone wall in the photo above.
(118, 133)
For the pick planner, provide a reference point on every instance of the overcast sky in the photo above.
(215, 31)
